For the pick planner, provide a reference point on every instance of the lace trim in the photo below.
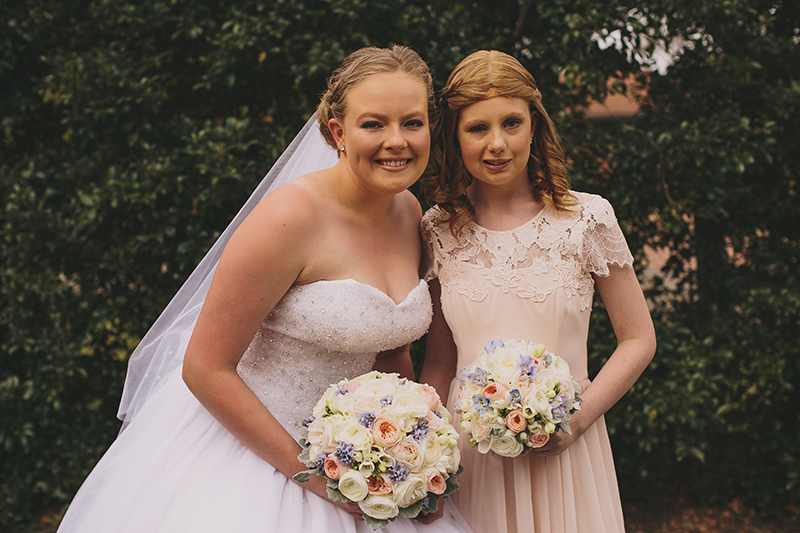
(568, 246)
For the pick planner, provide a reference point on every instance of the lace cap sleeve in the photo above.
(603, 240)
(431, 255)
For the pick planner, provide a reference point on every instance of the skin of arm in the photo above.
(636, 345)
(264, 257)
(395, 361)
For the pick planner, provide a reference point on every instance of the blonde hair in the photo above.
(480, 76)
(359, 66)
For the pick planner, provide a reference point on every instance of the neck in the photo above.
(503, 207)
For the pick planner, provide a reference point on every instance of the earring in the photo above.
(531, 141)
(341, 148)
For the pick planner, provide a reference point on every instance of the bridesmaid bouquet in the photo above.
(383, 442)
(514, 397)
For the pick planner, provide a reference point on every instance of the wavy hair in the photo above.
(359, 66)
(482, 75)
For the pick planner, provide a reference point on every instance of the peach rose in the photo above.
(434, 481)
(333, 469)
(434, 422)
(379, 486)
(516, 421)
(409, 453)
(385, 431)
(537, 440)
(495, 391)
(430, 397)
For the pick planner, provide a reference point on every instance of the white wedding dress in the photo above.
(176, 469)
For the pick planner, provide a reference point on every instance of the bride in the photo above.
(316, 282)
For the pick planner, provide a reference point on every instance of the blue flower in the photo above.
(344, 453)
(397, 473)
(479, 377)
(496, 432)
(481, 403)
(558, 407)
(366, 419)
(491, 346)
(527, 367)
(514, 397)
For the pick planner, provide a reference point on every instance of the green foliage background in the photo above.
(131, 132)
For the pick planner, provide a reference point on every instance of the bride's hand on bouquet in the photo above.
(318, 486)
(428, 518)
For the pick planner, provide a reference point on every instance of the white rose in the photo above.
(540, 402)
(434, 422)
(379, 506)
(507, 445)
(376, 388)
(407, 407)
(368, 404)
(431, 450)
(321, 433)
(353, 486)
(319, 409)
(342, 403)
(480, 429)
(354, 433)
(410, 491)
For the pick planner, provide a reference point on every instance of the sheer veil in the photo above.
(163, 346)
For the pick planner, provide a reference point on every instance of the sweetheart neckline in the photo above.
(368, 286)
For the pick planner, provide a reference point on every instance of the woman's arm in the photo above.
(397, 360)
(260, 263)
(636, 345)
(441, 357)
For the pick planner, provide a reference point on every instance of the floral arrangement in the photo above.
(514, 396)
(383, 442)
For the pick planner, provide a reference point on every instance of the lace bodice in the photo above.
(321, 333)
(533, 282)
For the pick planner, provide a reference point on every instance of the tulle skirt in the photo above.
(176, 469)
(574, 492)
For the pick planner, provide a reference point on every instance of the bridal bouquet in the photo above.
(514, 397)
(383, 442)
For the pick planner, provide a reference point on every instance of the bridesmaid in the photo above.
(515, 254)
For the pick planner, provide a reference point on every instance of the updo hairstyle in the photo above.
(359, 66)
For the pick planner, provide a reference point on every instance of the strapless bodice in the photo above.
(323, 332)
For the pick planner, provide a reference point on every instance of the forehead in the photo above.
(495, 108)
(387, 92)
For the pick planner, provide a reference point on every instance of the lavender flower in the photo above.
(307, 421)
(367, 419)
(319, 461)
(344, 453)
(481, 403)
(426, 501)
(341, 390)
(496, 432)
(386, 400)
(397, 473)
(420, 431)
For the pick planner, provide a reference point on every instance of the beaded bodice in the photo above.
(321, 333)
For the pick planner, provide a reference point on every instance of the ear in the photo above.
(534, 121)
(337, 131)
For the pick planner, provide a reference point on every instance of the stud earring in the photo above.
(341, 148)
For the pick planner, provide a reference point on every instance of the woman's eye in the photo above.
(513, 123)
(415, 123)
(477, 129)
(371, 125)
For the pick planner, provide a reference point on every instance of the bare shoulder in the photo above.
(408, 208)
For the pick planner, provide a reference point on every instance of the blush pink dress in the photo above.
(532, 283)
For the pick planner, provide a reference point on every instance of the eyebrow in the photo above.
(475, 122)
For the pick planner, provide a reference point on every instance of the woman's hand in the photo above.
(318, 485)
(429, 518)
